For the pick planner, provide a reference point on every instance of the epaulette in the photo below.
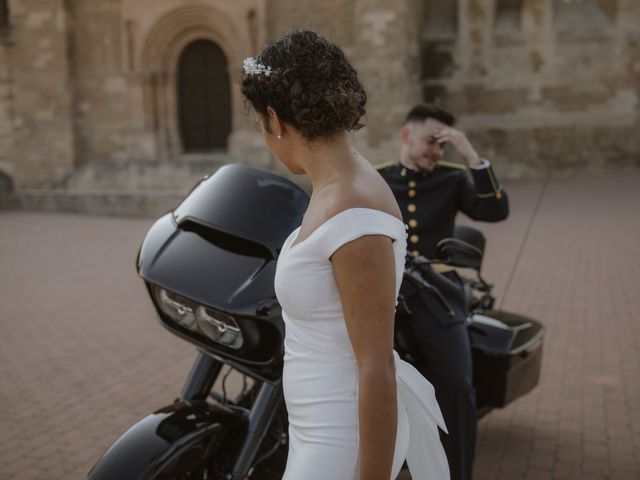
(457, 166)
(385, 166)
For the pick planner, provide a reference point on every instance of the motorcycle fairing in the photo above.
(220, 245)
(172, 441)
(187, 263)
(247, 203)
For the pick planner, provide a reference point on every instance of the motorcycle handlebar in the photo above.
(440, 281)
(415, 274)
(430, 275)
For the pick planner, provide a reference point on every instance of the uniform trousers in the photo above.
(444, 358)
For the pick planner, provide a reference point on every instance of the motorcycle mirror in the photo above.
(457, 253)
(470, 235)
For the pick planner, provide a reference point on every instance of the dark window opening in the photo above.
(508, 16)
(204, 98)
(441, 19)
(4, 13)
(5, 20)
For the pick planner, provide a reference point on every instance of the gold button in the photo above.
(413, 223)
(411, 193)
(412, 183)
(414, 238)
(415, 253)
(411, 207)
(403, 172)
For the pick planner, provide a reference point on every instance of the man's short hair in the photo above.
(422, 111)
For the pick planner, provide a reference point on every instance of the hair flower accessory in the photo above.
(251, 67)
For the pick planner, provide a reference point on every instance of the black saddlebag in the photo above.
(507, 356)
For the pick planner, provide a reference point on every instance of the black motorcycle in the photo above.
(209, 267)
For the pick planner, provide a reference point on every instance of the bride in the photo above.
(356, 411)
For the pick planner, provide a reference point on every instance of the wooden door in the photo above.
(204, 100)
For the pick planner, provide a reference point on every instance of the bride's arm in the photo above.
(364, 270)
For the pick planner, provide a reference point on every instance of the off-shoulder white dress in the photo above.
(320, 372)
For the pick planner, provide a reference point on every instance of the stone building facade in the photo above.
(140, 94)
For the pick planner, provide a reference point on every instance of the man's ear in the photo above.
(405, 134)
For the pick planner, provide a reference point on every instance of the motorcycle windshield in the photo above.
(246, 203)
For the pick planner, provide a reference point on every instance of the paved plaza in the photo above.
(82, 355)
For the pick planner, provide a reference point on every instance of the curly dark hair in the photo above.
(422, 111)
(312, 86)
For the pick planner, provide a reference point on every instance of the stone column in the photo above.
(627, 56)
(386, 56)
(102, 116)
(627, 45)
(537, 26)
(475, 18)
(43, 146)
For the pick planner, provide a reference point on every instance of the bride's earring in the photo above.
(279, 137)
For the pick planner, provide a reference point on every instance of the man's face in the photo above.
(423, 149)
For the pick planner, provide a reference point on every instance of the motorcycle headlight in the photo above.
(219, 327)
(176, 308)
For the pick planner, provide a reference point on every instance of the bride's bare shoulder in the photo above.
(360, 194)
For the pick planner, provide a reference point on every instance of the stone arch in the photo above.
(164, 44)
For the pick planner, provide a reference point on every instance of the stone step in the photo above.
(124, 188)
(137, 175)
(147, 204)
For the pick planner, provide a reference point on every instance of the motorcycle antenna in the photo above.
(523, 243)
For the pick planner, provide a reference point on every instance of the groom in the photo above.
(430, 193)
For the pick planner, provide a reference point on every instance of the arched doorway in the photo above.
(204, 98)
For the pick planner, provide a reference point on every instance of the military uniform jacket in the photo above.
(431, 201)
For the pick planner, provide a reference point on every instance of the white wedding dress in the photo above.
(320, 375)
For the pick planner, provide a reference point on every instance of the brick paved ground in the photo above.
(82, 356)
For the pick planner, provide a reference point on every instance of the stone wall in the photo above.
(41, 148)
(540, 85)
(381, 39)
(333, 19)
(156, 32)
(100, 87)
(83, 82)
(388, 62)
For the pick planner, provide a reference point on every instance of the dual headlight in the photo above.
(218, 326)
